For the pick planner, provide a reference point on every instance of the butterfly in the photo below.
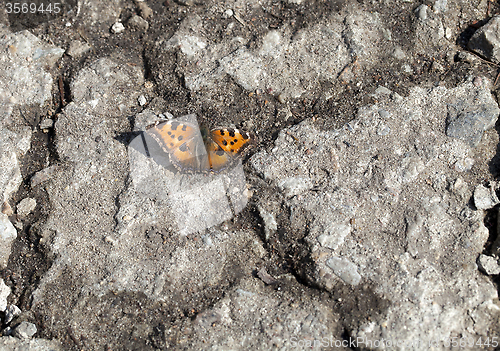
(194, 149)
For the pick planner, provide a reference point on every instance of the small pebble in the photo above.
(345, 270)
(47, 123)
(25, 207)
(11, 312)
(117, 28)
(142, 100)
(421, 12)
(488, 264)
(485, 198)
(7, 209)
(464, 165)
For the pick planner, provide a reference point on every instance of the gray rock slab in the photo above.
(486, 41)
(99, 15)
(12, 146)
(107, 88)
(9, 343)
(389, 192)
(4, 293)
(123, 230)
(244, 314)
(469, 116)
(7, 236)
(287, 63)
(23, 71)
(84, 188)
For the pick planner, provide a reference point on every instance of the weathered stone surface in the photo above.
(7, 235)
(384, 182)
(486, 41)
(9, 343)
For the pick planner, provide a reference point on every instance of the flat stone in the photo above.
(144, 10)
(26, 206)
(138, 23)
(10, 343)
(334, 236)
(46, 123)
(469, 117)
(25, 330)
(43, 175)
(486, 40)
(345, 270)
(23, 71)
(4, 293)
(7, 236)
(77, 48)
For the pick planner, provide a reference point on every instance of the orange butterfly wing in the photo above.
(232, 141)
(198, 150)
(184, 144)
(225, 145)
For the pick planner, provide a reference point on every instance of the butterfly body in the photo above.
(194, 149)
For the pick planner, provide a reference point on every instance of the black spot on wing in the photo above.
(183, 147)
